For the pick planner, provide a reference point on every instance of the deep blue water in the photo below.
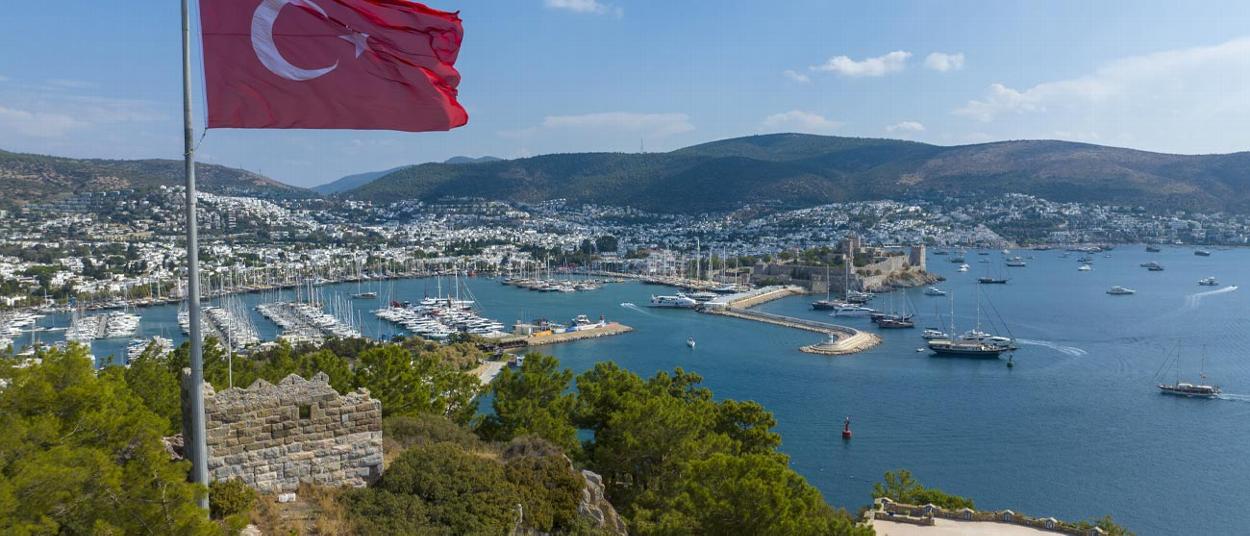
(1076, 430)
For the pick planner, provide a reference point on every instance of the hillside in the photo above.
(349, 182)
(32, 178)
(798, 170)
(360, 179)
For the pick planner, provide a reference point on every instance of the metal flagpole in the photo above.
(197, 447)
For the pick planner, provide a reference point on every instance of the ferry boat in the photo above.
(1121, 291)
(1202, 253)
(1208, 281)
(934, 291)
(680, 301)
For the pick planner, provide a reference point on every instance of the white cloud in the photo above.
(800, 121)
(892, 62)
(38, 124)
(796, 76)
(650, 125)
(942, 62)
(1184, 84)
(585, 6)
(906, 127)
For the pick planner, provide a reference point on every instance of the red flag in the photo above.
(351, 64)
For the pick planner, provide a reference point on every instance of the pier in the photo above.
(547, 337)
(842, 340)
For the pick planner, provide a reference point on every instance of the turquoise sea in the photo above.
(1075, 430)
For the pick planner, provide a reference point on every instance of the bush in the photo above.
(425, 429)
(230, 497)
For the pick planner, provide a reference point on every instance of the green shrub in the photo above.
(230, 497)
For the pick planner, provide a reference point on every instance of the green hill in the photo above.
(28, 178)
(799, 170)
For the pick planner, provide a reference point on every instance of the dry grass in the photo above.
(315, 512)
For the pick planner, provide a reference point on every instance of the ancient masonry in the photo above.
(275, 436)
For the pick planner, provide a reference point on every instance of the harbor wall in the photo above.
(273, 437)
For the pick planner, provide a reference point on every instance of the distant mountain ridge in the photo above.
(35, 178)
(800, 170)
(360, 179)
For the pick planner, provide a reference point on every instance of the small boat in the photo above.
(1085, 268)
(364, 295)
(1202, 253)
(851, 309)
(1152, 249)
(964, 267)
(824, 305)
(987, 280)
(1155, 267)
(929, 334)
(889, 322)
(690, 342)
(1121, 291)
(934, 291)
(1016, 262)
(1208, 282)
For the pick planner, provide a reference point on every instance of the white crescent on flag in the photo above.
(267, 52)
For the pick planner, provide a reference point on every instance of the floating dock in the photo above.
(842, 340)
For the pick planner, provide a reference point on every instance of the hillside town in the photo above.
(128, 244)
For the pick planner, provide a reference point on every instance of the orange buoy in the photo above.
(846, 429)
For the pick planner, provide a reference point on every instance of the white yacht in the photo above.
(680, 301)
(1085, 268)
(930, 334)
(851, 309)
(934, 291)
(1208, 281)
(964, 267)
(1121, 291)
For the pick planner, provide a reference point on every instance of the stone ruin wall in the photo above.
(273, 437)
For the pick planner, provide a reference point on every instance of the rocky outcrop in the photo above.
(595, 506)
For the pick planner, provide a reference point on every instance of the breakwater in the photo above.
(842, 340)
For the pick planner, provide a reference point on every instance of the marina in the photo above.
(1065, 364)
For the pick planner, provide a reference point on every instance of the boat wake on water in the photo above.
(1193, 300)
(1063, 349)
(636, 308)
(1233, 397)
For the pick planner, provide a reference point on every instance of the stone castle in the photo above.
(273, 437)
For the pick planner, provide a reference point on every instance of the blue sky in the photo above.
(93, 78)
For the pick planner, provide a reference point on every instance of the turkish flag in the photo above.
(350, 64)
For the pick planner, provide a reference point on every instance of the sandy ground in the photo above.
(487, 371)
(946, 527)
